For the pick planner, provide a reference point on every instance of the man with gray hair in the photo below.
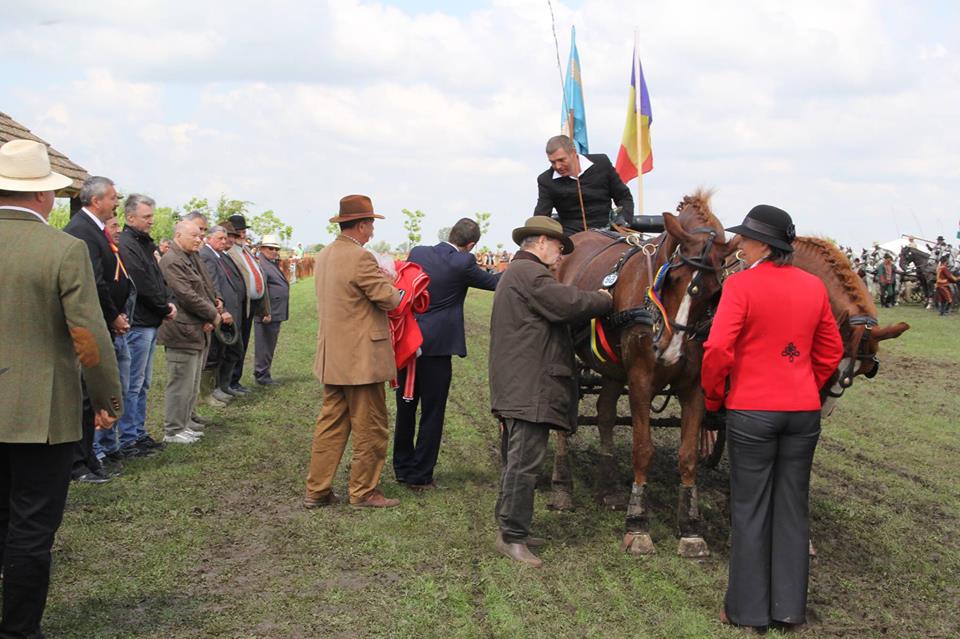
(187, 338)
(98, 453)
(571, 176)
(137, 251)
(228, 282)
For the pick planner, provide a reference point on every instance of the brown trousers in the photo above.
(361, 410)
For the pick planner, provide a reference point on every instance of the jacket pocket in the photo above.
(379, 335)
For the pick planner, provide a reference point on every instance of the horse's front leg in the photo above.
(689, 521)
(637, 539)
(561, 497)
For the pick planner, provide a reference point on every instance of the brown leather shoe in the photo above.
(376, 499)
(517, 552)
(327, 500)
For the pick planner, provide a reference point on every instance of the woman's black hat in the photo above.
(769, 225)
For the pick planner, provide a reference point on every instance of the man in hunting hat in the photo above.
(53, 330)
(267, 329)
(572, 176)
(532, 370)
(354, 359)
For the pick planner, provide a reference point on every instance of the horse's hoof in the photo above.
(693, 547)
(560, 500)
(638, 543)
(613, 501)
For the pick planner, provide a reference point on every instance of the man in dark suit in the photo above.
(266, 329)
(97, 457)
(599, 185)
(228, 281)
(452, 269)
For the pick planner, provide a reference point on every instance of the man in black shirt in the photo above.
(140, 256)
(599, 185)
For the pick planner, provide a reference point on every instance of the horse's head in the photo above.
(696, 246)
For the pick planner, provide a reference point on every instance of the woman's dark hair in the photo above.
(780, 257)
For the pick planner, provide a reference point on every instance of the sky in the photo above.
(841, 112)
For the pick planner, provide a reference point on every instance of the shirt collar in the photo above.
(212, 250)
(96, 220)
(455, 247)
(20, 208)
(584, 165)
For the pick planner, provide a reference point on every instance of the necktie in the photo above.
(255, 271)
(116, 254)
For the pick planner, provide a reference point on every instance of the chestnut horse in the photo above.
(664, 294)
(854, 309)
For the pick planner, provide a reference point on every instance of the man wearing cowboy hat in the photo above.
(53, 329)
(267, 329)
(532, 377)
(354, 359)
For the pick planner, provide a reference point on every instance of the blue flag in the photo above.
(573, 99)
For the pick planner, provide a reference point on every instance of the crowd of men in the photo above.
(92, 303)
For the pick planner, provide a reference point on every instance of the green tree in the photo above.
(268, 223)
(381, 246)
(483, 219)
(60, 214)
(413, 224)
(226, 208)
(333, 229)
(164, 219)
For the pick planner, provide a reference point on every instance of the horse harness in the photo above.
(862, 330)
(652, 313)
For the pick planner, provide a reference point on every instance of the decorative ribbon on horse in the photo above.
(653, 294)
(598, 341)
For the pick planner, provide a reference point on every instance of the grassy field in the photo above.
(209, 540)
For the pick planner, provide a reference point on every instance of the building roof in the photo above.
(10, 129)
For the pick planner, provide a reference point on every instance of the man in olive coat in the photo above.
(52, 329)
(532, 370)
(354, 359)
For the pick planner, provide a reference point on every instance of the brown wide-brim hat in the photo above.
(230, 228)
(355, 207)
(543, 225)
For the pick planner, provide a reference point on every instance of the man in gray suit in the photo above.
(267, 329)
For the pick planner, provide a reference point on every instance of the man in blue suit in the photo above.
(452, 269)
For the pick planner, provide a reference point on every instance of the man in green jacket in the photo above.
(52, 329)
(532, 370)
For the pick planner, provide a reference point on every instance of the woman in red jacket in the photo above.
(774, 337)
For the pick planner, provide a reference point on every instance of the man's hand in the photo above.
(266, 319)
(227, 318)
(102, 420)
(172, 315)
(715, 419)
(208, 327)
(219, 305)
(217, 320)
(120, 325)
(605, 292)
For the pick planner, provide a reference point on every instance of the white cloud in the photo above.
(838, 112)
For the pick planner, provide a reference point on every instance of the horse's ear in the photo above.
(672, 223)
(892, 331)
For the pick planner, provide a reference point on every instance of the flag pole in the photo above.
(637, 101)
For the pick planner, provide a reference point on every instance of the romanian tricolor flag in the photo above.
(639, 117)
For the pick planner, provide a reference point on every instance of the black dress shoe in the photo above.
(240, 388)
(150, 443)
(91, 477)
(109, 467)
(267, 382)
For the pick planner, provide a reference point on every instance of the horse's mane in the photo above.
(699, 203)
(827, 252)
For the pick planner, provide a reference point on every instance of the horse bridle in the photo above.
(862, 331)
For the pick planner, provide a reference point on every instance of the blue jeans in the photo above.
(141, 342)
(105, 441)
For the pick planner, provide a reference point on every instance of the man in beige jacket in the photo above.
(354, 359)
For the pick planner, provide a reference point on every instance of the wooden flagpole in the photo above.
(637, 101)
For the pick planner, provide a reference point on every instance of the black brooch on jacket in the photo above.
(790, 351)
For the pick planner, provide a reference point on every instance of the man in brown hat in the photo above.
(354, 359)
(532, 383)
(53, 330)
